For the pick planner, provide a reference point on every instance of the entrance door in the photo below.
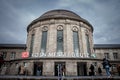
(81, 69)
(38, 68)
(59, 68)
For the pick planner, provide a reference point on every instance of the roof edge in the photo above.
(75, 17)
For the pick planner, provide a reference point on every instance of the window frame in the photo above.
(115, 55)
(76, 45)
(13, 55)
(106, 55)
(60, 42)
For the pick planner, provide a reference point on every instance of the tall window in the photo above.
(43, 42)
(115, 55)
(4, 55)
(16, 64)
(12, 55)
(31, 46)
(76, 43)
(88, 45)
(59, 42)
(106, 55)
(25, 64)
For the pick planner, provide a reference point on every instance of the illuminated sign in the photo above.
(25, 54)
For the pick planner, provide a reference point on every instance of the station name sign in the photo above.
(85, 55)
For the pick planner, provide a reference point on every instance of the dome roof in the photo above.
(60, 13)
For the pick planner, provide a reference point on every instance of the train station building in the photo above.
(59, 42)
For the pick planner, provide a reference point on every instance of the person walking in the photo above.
(118, 69)
(22, 69)
(106, 66)
(92, 73)
(39, 70)
(99, 71)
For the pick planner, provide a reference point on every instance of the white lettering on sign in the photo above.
(61, 54)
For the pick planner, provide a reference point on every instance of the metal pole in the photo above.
(58, 71)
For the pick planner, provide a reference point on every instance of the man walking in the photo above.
(106, 66)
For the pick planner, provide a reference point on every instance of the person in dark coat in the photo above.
(118, 69)
(99, 71)
(92, 73)
(106, 66)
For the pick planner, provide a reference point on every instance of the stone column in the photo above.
(80, 42)
(28, 41)
(83, 41)
(71, 68)
(91, 42)
(48, 68)
(37, 40)
(51, 45)
(69, 41)
(31, 68)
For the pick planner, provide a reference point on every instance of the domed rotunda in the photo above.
(60, 38)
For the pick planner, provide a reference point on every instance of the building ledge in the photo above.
(61, 58)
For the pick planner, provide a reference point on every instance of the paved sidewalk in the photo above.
(2, 77)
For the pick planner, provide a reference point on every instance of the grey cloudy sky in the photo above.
(104, 15)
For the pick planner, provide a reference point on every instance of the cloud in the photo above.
(14, 24)
(102, 14)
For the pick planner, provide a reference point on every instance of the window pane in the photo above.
(44, 42)
(88, 45)
(76, 43)
(106, 55)
(115, 55)
(13, 54)
(59, 42)
(31, 46)
(4, 55)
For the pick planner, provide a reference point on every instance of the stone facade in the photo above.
(68, 28)
(100, 53)
(66, 64)
(49, 63)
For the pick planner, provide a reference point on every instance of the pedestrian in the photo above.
(22, 70)
(19, 69)
(118, 69)
(99, 71)
(63, 70)
(39, 70)
(106, 66)
(92, 73)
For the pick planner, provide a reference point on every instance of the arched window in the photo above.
(31, 45)
(76, 43)
(59, 40)
(88, 45)
(44, 40)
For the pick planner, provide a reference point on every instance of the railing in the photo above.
(8, 77)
